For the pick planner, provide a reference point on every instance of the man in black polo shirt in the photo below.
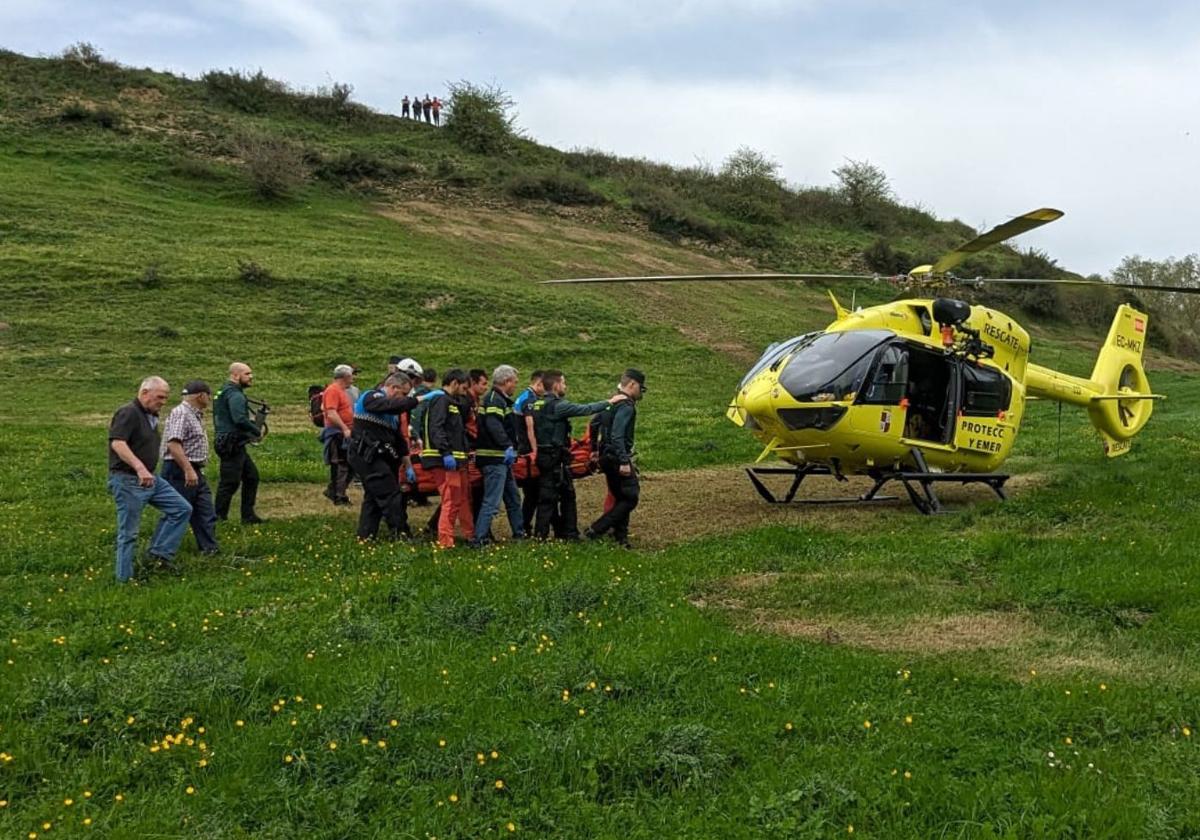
(132, 456)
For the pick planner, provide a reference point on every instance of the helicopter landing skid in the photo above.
(798, 475)
(918, 483)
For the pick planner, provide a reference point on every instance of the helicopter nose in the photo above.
(757, 401)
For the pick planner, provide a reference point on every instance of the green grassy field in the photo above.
(1018, 669)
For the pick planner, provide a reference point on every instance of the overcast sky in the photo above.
(977, 111)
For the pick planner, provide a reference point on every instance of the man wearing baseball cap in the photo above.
(184, 454)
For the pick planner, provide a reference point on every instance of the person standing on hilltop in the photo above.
(427, 107)
(184, 455)
(615, 431)
(404, 112)
(234, 430)
(132, 456)
(437, 111)
(416, 107)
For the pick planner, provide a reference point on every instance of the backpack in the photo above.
(316, 408)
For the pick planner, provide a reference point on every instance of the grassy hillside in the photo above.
(1024, 669)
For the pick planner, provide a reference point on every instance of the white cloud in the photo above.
(586, 18)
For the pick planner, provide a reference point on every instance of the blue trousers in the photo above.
(204, 515)
(131, 498)
(498, 482)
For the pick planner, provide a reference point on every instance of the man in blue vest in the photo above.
(378, 451)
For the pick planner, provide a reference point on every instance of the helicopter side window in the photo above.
(889, 378)
(985, 391)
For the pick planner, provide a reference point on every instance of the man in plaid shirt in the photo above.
(184, 454)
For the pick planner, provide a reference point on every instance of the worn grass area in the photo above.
(1017, 669)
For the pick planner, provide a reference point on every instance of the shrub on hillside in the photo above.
(187, 166)
(592, 163)
(86, 55)
(555, 185)
(864, 186)
(479, 118)
(330, 104)
(816, 206)
(249, 93)
(672, 216)
(253, 274)
(880, 256)
(353, 166)
(747, 164)
(151, 278)
(275, 166)
(79, 114)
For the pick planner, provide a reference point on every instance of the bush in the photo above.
(275, 166)
(556, 186)
(253, 274)
(881, 257)
(150, 279)
(251, 94)
(79, 114)
(190, 167)
(330, 104)
(354, 166)
(747, 164)
(86, 55)
(480, 118)
(671, 216)
(865, 188)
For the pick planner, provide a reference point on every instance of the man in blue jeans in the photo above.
(184, 453)
(495, 452)
(132, 456)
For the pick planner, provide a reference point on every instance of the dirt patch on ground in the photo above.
(676, 506)
(291, 500)
(590, 243)
(918, 634)
(141, 94)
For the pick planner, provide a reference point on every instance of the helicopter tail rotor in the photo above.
(1123, 408)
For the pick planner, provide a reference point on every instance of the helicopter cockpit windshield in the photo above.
(831, 367)
(775, 353)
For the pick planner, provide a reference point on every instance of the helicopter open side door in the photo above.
(931, 399)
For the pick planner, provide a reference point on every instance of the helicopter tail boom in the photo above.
(1117, 396)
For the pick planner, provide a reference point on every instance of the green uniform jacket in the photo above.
(231, 415)
(551, 419)
(616, 426)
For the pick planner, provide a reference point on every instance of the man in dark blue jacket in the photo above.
(378, 452)
(552, 424)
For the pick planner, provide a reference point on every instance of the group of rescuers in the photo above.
(377, 435)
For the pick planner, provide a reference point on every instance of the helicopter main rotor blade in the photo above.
(677, 278)
(1042, 281)
(1011, 228)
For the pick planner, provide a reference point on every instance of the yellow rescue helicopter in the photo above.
(924, 390)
